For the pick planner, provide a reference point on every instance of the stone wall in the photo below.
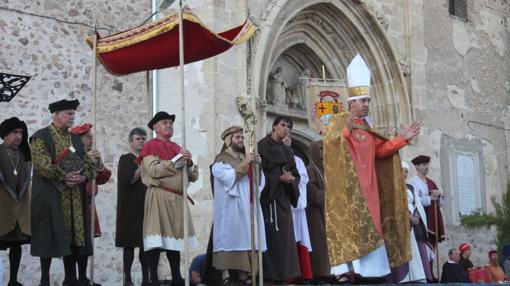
(46, 40)
(458, 83)
(467, 98)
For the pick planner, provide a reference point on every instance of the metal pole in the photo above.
(255, 171)
(93, 195)
(185, 169)
(255, 202)
(250, 130)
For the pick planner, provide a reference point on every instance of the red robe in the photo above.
(364, 147)
(435, 222)
(102, 178)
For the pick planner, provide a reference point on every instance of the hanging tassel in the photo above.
(270, 214)
(276, 217)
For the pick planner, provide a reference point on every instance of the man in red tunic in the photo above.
(358, 239)
(430, 196)
(431, 199)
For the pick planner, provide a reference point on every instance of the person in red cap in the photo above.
(496, 272)
(431, 199)
(465, 253)
(103, 176)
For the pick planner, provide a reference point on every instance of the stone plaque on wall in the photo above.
(466, 189)
(463, 177)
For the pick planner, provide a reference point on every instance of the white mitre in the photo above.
(358, 76)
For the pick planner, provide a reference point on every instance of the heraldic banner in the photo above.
(325, 98)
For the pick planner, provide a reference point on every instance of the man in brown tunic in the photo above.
(162, 164)
(15, 166)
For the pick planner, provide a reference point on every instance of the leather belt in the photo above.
(178, 193)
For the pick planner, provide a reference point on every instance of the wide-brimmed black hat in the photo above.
(63, 104)
(420, 160)
(160, 116)
(9, 125)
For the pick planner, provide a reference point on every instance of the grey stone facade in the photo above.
(450, 75)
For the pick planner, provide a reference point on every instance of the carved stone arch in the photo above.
(334, 31)
(301, 145)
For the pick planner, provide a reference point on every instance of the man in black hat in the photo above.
(15, 167)
(163, 162)
(431, 199)
(60, 227)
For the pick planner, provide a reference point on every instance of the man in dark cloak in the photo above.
(452, 272)
(281, 191)
(15, 169)
(60, 225)
(130, 207)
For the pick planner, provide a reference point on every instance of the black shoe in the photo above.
(86, 282)
(177, 282)
(15, 283)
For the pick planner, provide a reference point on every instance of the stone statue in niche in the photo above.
(301, 87)
(291, 97)
(276, 93)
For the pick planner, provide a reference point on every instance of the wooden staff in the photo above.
(93, 195)
(259, 229)
(185, 169)
(435, 204)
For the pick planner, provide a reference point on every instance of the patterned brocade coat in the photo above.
(59, 213)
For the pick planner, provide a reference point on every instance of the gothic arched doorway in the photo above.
(307, 34)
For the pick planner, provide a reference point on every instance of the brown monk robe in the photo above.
(315, 213)
(280, 192)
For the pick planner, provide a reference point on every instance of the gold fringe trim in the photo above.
(154, 29)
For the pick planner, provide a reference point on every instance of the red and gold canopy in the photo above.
(156, 44)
